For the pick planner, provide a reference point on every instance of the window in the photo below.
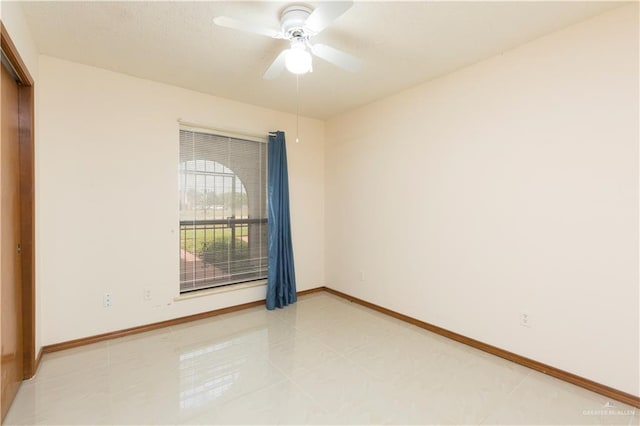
(223, 215)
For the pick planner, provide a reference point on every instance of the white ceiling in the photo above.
(401, 44)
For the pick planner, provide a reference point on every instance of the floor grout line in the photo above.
(506, 397)
(251, 339)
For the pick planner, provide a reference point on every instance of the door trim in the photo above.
(27, 193)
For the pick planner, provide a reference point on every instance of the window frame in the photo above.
(260, 223)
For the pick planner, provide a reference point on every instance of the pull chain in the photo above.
(297, 108)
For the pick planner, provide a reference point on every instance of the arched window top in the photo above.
(205, 166)
(210, 190)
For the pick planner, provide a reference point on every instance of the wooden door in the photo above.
(10, 231)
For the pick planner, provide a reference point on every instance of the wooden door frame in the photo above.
(27, 200)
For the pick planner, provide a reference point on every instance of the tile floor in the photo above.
(321, 361)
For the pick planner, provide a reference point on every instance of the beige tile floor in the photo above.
(321, 361)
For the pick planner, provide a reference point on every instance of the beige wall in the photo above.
(16, 25)
(508, 187)
(108, 198)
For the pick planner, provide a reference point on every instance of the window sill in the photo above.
(213, 291)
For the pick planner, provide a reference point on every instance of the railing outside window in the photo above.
(218, 252)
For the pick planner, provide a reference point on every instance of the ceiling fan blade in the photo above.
(276, 67)
(325, 14)
(337, 57)
(225, 21)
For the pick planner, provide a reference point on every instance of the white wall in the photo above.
(508, 187)
(14, 21)
(108, 199)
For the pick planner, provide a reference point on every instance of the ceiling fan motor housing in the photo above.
(299, 23)
(293, 19)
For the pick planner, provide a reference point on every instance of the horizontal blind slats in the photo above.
(221, 178)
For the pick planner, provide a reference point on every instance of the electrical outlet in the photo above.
(361, 275)
(525, 320)
(147, 294)
(106, 300)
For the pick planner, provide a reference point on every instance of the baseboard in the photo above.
(311, 290)
(31, 366)
(154, 326)
(37, 363)
(502, 353)
(607, 391)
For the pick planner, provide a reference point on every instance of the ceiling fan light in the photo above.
(298, 61)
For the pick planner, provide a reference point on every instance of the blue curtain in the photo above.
(281, 284)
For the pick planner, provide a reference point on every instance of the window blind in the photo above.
(223, 211)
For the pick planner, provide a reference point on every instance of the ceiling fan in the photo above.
(298, 25)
